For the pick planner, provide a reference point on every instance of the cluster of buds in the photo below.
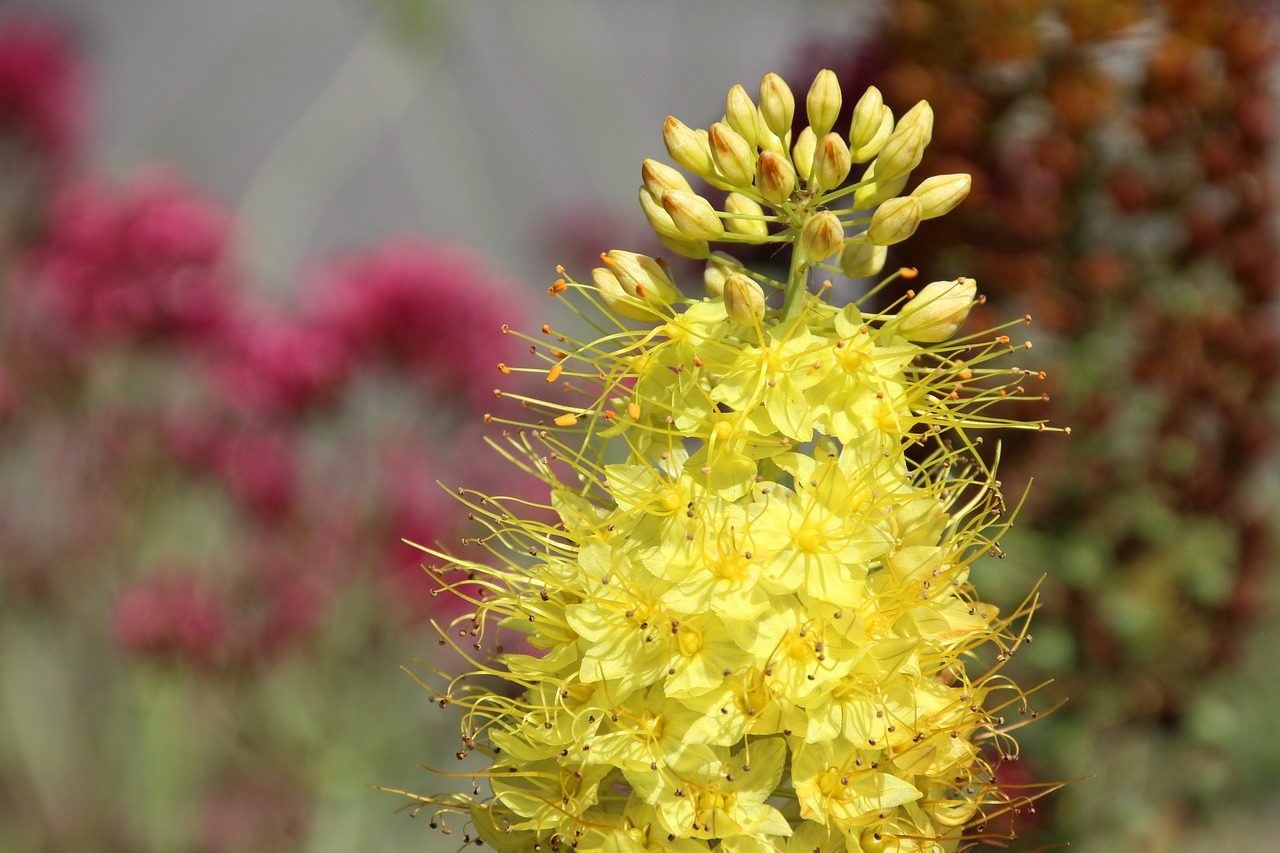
(742, 620)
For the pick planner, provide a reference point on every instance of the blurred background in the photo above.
(252, 258)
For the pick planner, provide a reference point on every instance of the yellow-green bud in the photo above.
(822, 105)
(870, 195)
(693, 215)
(831, 162)
(713, 277)
(740, 205)
(802, 152)
(941, 193)
(936, 312)
(659, 177)
(617, 300)
(894, 221)
(901, 153)
(642, 277)
(822, 236)
(688, 147)
(921, 114)
(743, 299)
(868, 121)
(658, 217)
(740, 113)
(696, 249)
(873, 146)
(777, 104)
(860, 260)
(732, 154)
(775, 177)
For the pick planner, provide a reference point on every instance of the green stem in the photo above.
(797, 284)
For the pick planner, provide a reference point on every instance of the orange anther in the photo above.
(506, 329)
(546, 330)
(559, 286)
(503, 368)
(908, 272)
(488, 418)
(697, 362)
(555, 353)
(606, 260)
(566, 420)
(554, 373)
(1003, 339)
(633, 411)
(610, 414)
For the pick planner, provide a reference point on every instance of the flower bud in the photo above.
(740, 205)
(895, 220)
(868, 115)
(822, 105)
(861, 260)
(769, 141)
(743, 299)
(732, 154)
(713, 277)
(831, 162)
(775, 177)
(822, 236)
(658, 217)
(936, 312)
(900, 154)
(871, 194)
(777, 104)
(642, 277)
(689, 248)
(941, 193)
(659, 177)
(802, 152)
(693, 215)
(617, 300)
(920, 115)
(875, 142)
(688, 147)
(740, 113)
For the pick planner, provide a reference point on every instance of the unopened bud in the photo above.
(688, 247)
(657, 215)
(868, 118)
(920, 115)
(941, 193)
(746, 216)
(617, 300)
(831, 162)
(659, 177)
(693, 215)
(713, 277)
(740, 113)
(861, 260)
(743, 299)
(802, 152)
(895, 220)
(875, 144)
(642, 277)
(822, 105)
(936, 312)
(871, 194)
(732, 154)
(822, 236)
(775, 177)
(900, 154)
(777, 104)
(688, 147)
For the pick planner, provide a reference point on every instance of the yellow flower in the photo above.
(749, 626)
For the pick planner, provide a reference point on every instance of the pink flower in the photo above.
(41, 97)
(172, 616)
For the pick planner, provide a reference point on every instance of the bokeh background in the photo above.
(253, 256)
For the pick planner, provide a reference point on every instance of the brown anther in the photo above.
(555, 353)
(546, 330)
(506, 329)
(488, 418)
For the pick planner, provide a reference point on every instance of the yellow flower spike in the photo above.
(862, 260)
(740, 617)
(777, 104)
(775, 177)
(688, 147)
(741, 115)
(693, 215)
(941, 193)
(831, 162)
(822, 236)
(822, 104)
(895, 220)
(746, 217)
(802, 152)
